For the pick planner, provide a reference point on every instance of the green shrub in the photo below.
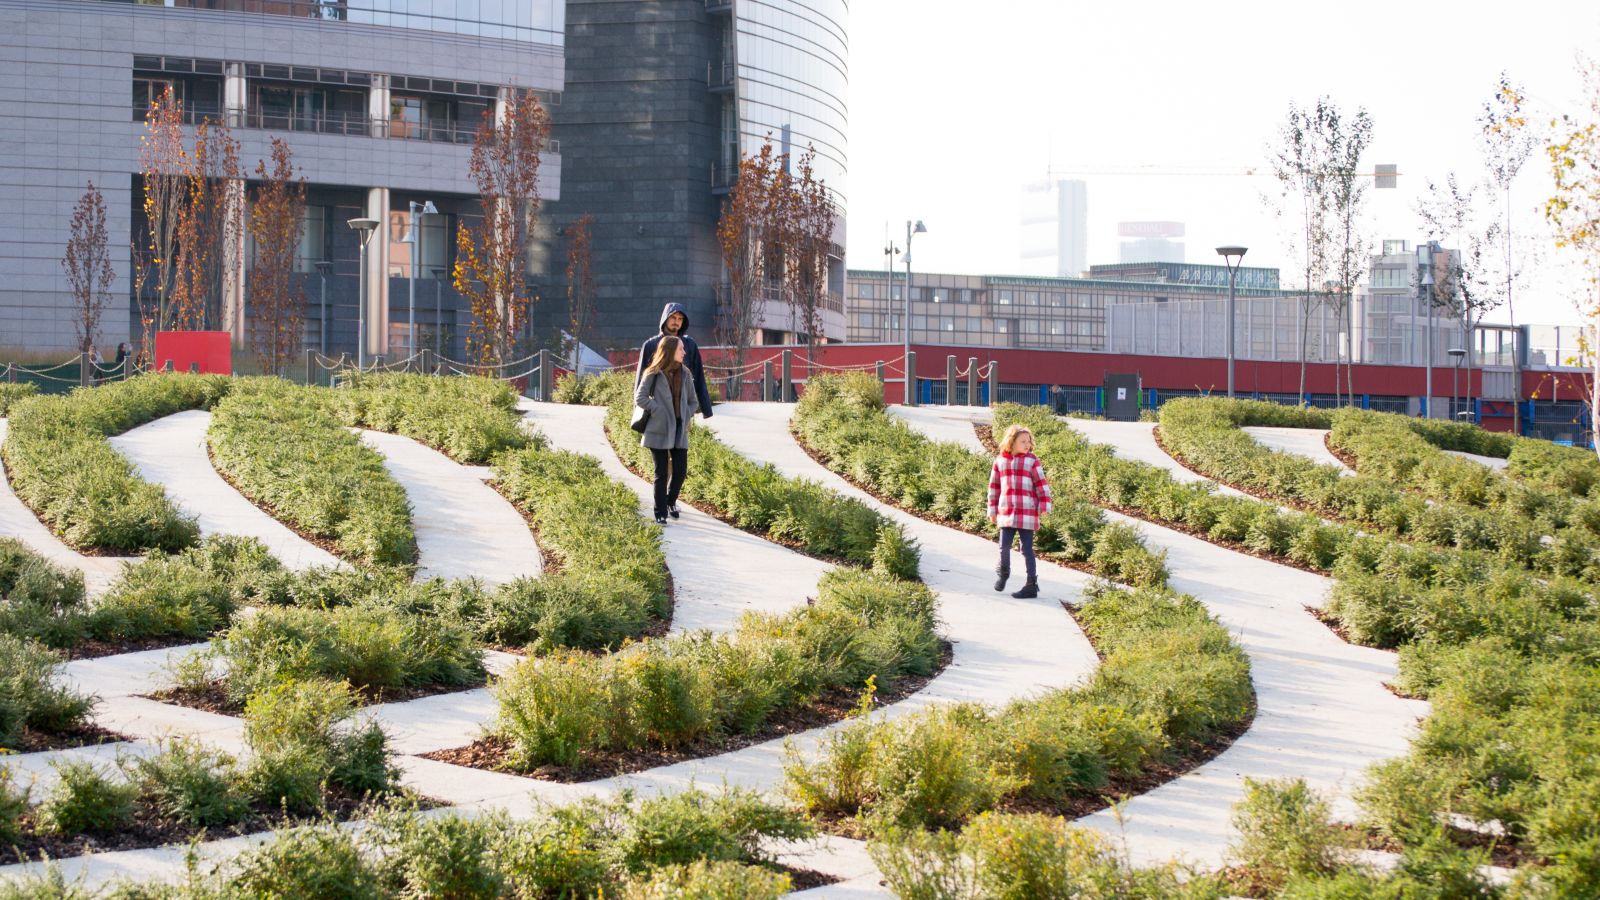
(308, 861)
(283, 447)
(188, 595)
(303, 736)
(709, 881)
(38, 599)
(85, 799)
(14, 392)
(190, 784)
(441, 856)
(1284, 832)
(30, 696)
(66, 471)
(13, 805)
(471, 419)
(563, 852)
(690, 826)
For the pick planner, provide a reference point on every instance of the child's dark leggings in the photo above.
(1027, 549)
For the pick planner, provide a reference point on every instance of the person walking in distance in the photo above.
(665, 391)
(1019, 495)
(675, 322)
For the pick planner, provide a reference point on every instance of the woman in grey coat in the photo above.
(667, 391)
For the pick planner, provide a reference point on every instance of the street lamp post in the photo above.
(1455, 354)
(366, 228)
(414, 238)
(1233, 257)
(911, 378)
(323, 268)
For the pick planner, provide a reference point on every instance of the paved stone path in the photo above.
(1310, 443)
(464, 528)
(1497, 463)
(718, 571)
(18, 521)
(1323, 713)
(1137, 441)
(171, 452)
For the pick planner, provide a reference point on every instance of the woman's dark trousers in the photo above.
(671, 466)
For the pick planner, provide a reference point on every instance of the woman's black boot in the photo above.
(1029, 590)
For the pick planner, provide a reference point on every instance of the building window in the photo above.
(1002, 298)
(1030, 298)
(313, 246)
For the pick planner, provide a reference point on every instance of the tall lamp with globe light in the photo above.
(366, 228)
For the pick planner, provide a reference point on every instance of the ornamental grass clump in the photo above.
(190, 594)
(562, 710)
(14, 392)
(63, 467)
(305, 738)
(284, 448)
(1283, 831)
(39, 600)
(32, 697)
(86, 799)
(472, 419)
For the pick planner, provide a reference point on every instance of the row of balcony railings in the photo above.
(327, 122)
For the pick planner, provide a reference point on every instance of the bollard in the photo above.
(546, 376)
(788, 376)
(11, 373)
(880, 371)
(309, 373)
(425, 361)
(908, 391)
(83, 369)
(972, 381)
(950, 380)
(766, 381)
(730, 391)
(994, 382)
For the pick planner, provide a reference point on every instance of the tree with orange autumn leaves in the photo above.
(776, 237)
(491, 268)
(276, 217)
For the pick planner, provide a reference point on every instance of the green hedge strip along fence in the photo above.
(843, 418)
(62, 466)
(284, 448)
(1509, 660)
(758, 498)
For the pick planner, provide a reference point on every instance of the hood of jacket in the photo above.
(667, 311)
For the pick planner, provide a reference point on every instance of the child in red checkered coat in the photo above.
(1018, 495)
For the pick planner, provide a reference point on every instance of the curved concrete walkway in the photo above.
(718, 571)
(1497, 463)
(464, 528)
(1323, 713)
(18, 521)
(1311, 443)
(1136, 441)
(171, 452)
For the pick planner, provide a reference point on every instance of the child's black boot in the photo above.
(1001, 574)
(1029, 590)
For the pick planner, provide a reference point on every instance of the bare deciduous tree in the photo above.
(491, 268)
(580, 284)
(88, 266)
(276, 219)
(743, 230)
(812, 215)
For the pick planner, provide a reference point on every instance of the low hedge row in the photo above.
(471, 419)
(1528, 528)
(688, 845)
(14, 392)
(759, 498)
(844, 419)
(305, 750)
(1171, 681)
(284, 448)
(696, 687)
(63, 467)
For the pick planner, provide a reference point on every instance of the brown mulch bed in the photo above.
(82, 735)
(1333, 624)
(805, 879)
(150, 829)
(493, 753)
(91, 648)
(214, 697)
(1349, 459)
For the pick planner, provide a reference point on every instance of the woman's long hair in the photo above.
(666, 358)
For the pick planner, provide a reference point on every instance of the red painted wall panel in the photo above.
(211, 350)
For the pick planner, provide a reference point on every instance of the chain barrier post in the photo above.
(11, 373)
(788, 377)
(309, 373)
(545, 376)
(426, 360)
(83, 369)
(127, 367)
(766, 381)
(950, 380)
(880, 371)
(972, 381)
(994, 382)
(910, 388)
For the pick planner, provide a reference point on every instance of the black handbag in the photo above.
(641, 419)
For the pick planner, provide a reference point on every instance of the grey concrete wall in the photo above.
(66, 70)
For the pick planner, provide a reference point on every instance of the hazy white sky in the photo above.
(954, 105)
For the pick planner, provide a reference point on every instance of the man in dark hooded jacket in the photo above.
(675, 321)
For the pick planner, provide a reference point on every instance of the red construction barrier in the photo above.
(206, 351)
